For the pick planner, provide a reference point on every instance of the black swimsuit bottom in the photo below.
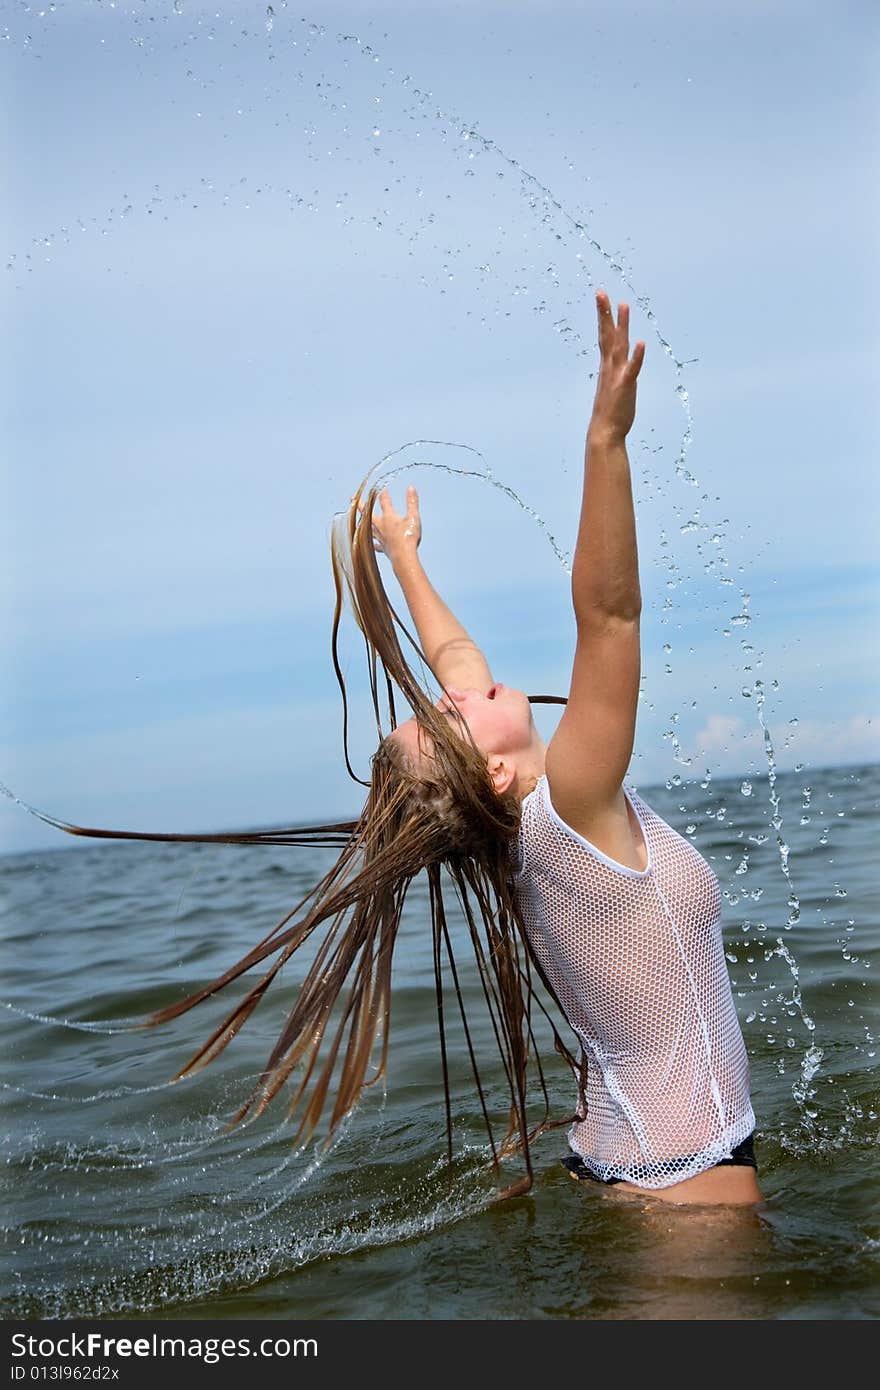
(742, 1156)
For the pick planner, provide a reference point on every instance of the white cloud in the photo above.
(828, 742)
(727, 745)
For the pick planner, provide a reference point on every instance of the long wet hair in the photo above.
(433, 814)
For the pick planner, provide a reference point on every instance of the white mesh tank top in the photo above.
(637, 962)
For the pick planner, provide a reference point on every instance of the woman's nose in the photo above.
(451, 698)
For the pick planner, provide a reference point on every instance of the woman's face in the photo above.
(500, 721)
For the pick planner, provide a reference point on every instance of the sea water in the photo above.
(124, 1195)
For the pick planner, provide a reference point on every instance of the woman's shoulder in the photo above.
(616, 836)
(612, 830)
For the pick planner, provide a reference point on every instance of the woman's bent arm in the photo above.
(452, 654)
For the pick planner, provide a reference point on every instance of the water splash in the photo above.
(112, 1094)
(804, 1089)
(542, 203)
(776, 819)
(300, 1180)
(485, 476)
(782, 950)
(539, 194)
(123, 1025)
(197, 1268)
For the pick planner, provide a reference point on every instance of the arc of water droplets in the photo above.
(184, 1146)
(350, 1239)
(123, 1025)
(529, 181)
(486, 476)
(113, 1094)
(201, 1235)
(469, 132)
(549, 199)
(300, 1181)
(290, 1250)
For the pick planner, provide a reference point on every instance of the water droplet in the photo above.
(746, 788)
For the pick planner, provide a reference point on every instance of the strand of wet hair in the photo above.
(484, 971)
(436, 899)
(501, 958)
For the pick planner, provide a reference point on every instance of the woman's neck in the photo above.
(531, 767)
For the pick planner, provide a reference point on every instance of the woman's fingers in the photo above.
(623, 329)
(392, 530)
(635, 365)
(384, 503)
(609, 335)
(606, 322)
(614, 339)
(387, 518)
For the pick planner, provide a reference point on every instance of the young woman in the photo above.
(560, 871)
(622, 914)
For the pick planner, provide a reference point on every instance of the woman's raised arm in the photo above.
(588, 756)
(452, 654)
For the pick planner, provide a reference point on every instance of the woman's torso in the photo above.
(635, 957)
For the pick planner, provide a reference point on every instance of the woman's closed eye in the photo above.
(452, 713)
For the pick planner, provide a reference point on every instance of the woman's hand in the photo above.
(614, 407)
(394, 535)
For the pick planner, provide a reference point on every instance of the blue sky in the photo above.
(249, 257)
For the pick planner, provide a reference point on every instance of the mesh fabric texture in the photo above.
(636, 959)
